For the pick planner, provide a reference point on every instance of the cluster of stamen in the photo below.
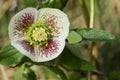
(39, 34)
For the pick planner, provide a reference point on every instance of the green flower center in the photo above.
(38, 34)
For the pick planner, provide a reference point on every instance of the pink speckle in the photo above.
(51, 48)
(23, 23)
(26, 45)
(51, 22)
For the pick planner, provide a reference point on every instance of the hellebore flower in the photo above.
(39, 34)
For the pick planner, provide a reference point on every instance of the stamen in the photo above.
(39, 34)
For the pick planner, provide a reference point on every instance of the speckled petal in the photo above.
(48, 52)
(56, 20)
(24, 47)
(21, 22)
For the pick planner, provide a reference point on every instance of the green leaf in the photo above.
(59, 71)
(95, 34)
(50, 73)
(9, 55)
(74, 37)
(72, 62)
(24, 60)
(60, 4)
(25, 74)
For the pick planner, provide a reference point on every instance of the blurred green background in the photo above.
(107, 17)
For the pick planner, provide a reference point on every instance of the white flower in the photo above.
(39, 34)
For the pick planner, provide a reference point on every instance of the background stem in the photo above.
(91, 14)
(91, 25)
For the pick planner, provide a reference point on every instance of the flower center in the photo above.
(38, 34)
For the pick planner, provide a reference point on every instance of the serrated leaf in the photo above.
(9, 55)
(95, 34)
(60, 4)
(72, 62)
(74, 37)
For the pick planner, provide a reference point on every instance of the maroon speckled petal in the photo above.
(51, 48)
(26, 45)
(21, 22)
(50, 51)
(56, 20)
(40, 54)
(24, 22)
(51, 21)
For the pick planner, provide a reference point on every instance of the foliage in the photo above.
(9, 55)
(88, 50)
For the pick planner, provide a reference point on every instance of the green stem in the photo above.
(91, 25)
(91, 14)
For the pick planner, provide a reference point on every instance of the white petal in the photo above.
(50, 52)
(25, 48)
(55, 19)
(16, 26)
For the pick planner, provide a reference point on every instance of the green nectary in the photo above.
(38, 34)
